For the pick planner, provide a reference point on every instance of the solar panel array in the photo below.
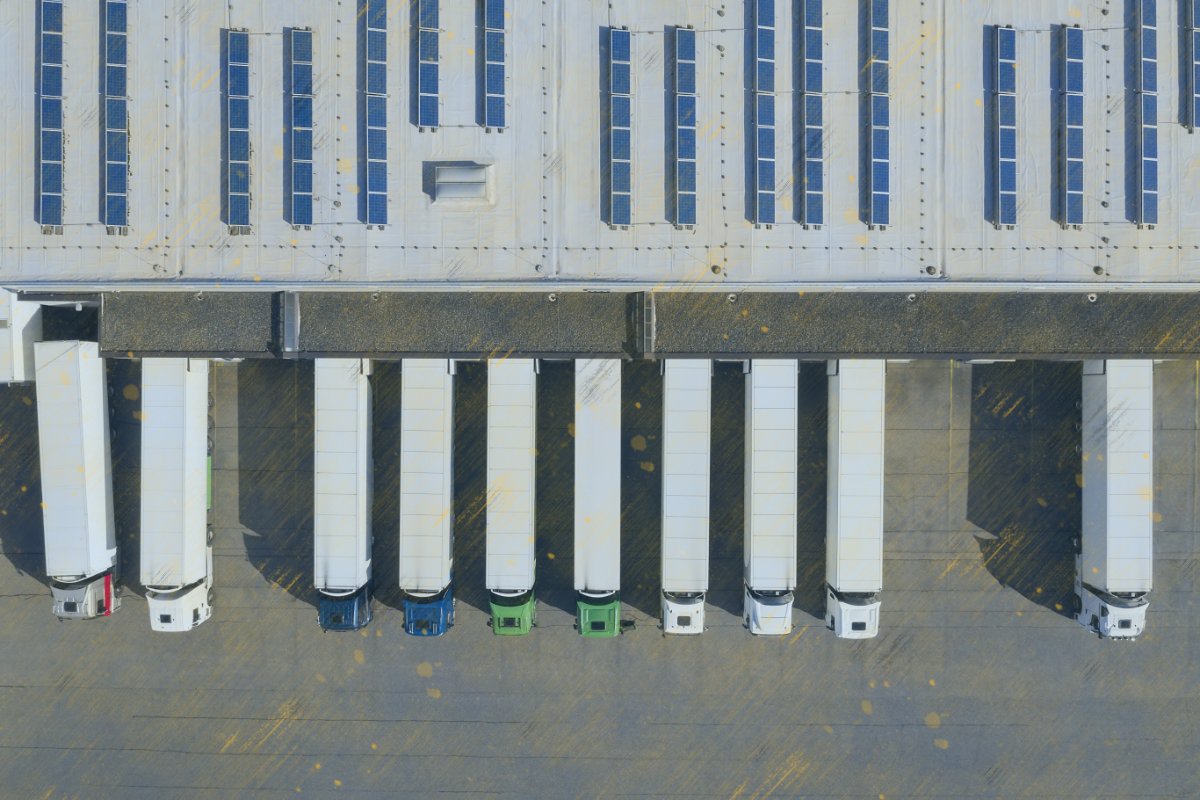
(50, 114)
(879, 112)
(1071, 132)
(812, 117)
(1005, 132)
(301, 102)
(764, 112)
(427, 63)
(375, 111)
(115, 177)
(493, 64)
(237, 130)
(1191, 24)
(620, 136)
(685, 126)
(1147, 113)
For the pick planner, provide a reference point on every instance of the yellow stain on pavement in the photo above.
(933, 719)
(867, 708)
(638, 443)
(425, 669)
(359, 657)
(434, 693)
(941, 744)
(130, 392)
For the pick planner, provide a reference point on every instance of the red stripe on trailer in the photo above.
(108, 595)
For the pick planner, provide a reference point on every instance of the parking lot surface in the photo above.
(980, 683)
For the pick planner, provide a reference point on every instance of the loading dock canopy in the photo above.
(898, 324)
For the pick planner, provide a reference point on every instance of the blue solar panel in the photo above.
(620, 155)
(114, 211)
(763, 109)
(1005, 130)
(374, 112)
(1070, 153)
(878, 124)
(493, 53)
(237, 128)
(1191, 23)
(428, 35)
(1147, 113)
(685, 120)
(812, 116)
(51, 15)
(300, 207)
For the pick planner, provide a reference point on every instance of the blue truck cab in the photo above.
(347, 612)
(430, 615)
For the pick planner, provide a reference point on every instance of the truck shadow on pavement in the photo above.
(812, 481)
(385, 451)
(275, 471)
(125, 420)
(727, 488)
(641, 486)
(1023, 475)
(470, 484)
(555, 501)
(21, 533)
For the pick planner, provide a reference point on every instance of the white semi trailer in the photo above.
(343, 478)
(854, 519)
(598, 496)
(770, 501)
(511, 446)
(77, 502)
(1114, 558)
(687, 420)
(20, 328)
(427, 495)
(176, 541)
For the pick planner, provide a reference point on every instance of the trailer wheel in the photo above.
(210, 536)
(211, 596)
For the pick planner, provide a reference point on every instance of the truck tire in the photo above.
(209, 536)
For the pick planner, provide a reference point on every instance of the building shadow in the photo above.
(555, 501)
(470, 484)
(1023, 464)
(275, 471)
(385, 504)
(727, 488)
(812, 480)
(125, 421)
(641, 485)
(21, 532)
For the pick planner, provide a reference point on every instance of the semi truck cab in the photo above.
(430, 615)
(683, 612)
(768, 613)
(513, 614)
(1110, 615)
(852, 615)
(347, 612)
(599, 614)
(87, 599)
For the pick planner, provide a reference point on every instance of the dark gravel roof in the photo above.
(220, 324)
(978, 324)
(467, 323)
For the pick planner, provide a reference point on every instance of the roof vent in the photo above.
(460, 181)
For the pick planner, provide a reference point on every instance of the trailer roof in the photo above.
(511, 473)
(854, 539)
(174, 486)
(426, 474)
(771, 501)
(73, 446)
(1118, 473)
(598, 475)
(342, 474)
(687, 436)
